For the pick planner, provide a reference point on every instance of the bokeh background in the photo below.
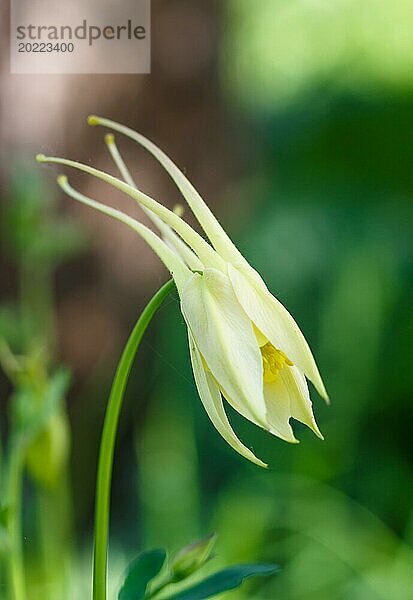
(294, 119)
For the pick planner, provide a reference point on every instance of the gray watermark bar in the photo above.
(89, 36)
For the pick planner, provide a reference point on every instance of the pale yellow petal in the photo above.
(224, 335)
(181, 248)
(242, 408)
(301, 405)
(212, 401)
(278, 410)
(277, 400)
(276, 323)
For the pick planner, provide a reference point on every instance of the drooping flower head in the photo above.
(244, 344)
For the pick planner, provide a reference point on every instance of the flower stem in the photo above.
(15, 569)
(110, 426)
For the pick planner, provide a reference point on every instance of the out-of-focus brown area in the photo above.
(178, 106)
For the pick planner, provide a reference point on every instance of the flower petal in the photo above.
(300, 402)
(276, 323)
(278, 410)
(278, 402)
(224, 335)
(212, 401)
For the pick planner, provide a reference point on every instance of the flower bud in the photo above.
(191, 557)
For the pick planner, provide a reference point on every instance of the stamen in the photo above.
(118, 160)
(179, 210)
(93, 120)
(273, 361)
(109, 139)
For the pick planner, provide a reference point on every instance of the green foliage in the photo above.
(38, 440)
(4, 515)
(279, 52)
(14, 326)
(36, 400)
(32, 231)
(148, 565)
(227, 579)
(140, 572)
(48, 453)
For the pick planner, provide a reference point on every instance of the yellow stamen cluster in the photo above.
(273, 360)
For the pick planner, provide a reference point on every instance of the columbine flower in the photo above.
(244, 345)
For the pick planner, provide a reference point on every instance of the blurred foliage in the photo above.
(37, 241)
(283, 50)
(323, 97)
(31, 228)
(151, 575)
(37, 437)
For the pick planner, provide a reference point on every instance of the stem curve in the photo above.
(108, 439)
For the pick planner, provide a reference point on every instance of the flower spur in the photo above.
(244, 344)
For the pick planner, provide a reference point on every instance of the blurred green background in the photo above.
(294, 119)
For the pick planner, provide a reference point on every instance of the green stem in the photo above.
(107, 444)
(55, 535)
(15, 569)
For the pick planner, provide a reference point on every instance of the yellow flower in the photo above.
(244, 345)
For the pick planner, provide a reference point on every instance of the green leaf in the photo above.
(140, 572)
(225, 580)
